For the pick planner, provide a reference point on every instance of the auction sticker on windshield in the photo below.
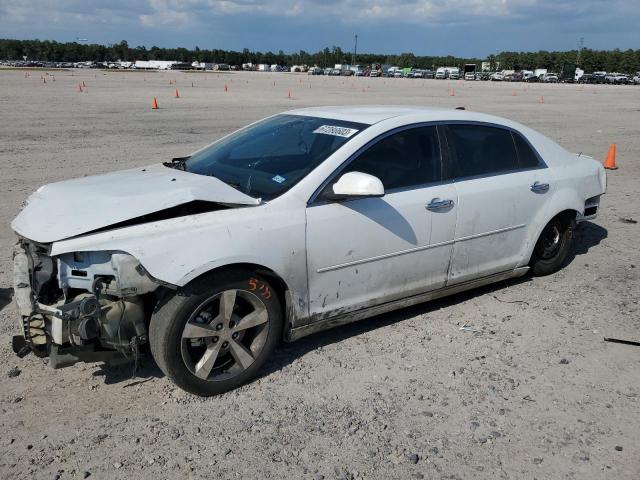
(336, 131)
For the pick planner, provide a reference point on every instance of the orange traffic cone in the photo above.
(610, 161)
(541, 99)
(452, 93)
(289, 96)
(154, 104)
(226, 89)
(177, 93)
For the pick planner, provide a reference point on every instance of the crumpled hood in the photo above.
(73, 207)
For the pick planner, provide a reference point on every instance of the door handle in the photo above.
(437, 204)
(538, 187)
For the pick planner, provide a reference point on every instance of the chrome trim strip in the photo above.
(382, 257)
(416, 249)
(493, 232)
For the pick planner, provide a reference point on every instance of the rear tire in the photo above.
(216, 333)
(553, 246)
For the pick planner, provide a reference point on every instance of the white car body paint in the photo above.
(494, 214)
(73, 207)
(333, 257)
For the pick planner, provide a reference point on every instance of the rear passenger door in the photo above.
(502, 185)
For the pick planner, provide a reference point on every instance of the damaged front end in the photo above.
(82, 306)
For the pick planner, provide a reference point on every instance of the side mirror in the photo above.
(358, 185)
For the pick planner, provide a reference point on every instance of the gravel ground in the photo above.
(535, 393)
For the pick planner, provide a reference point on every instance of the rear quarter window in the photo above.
(527, 158)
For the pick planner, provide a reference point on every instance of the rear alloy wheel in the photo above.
(211, 339)
(553, 246)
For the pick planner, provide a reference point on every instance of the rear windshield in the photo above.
(266, 159)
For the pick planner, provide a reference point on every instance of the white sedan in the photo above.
(299, 222)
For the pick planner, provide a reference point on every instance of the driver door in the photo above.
(367, 251)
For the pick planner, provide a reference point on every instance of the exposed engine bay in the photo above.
(81, 306)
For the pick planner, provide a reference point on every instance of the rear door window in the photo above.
(479, 150)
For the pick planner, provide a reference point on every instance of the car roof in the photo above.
(371, 114)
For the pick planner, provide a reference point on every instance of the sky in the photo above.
(471, 28)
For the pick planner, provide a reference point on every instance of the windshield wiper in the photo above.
(178, 163)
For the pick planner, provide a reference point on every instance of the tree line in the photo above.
(627, 61)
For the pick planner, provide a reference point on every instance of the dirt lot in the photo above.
(536, 394)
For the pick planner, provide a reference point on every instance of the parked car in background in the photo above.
(497, 77)
(616, 79)
(364, 210)
(470, 71)
(441, 73)
(586, 78)
(599, 77)
(513, 77)
(550, 77)
(454, 73)
(526, 75)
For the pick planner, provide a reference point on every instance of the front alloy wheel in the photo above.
(216, 333)
(225, 335)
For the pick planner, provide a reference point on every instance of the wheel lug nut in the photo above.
(215, 339)
(235, 335)
(219, 326)
(225, 344)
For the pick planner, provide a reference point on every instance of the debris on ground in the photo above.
(469, 328)
(624, 342)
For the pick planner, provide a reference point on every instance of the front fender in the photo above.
(178, 250)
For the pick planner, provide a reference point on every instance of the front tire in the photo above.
(215, 334)
(553, 246)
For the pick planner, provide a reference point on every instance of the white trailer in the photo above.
(154, 64)
(540, 72)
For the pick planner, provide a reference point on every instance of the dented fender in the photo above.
(178, 250)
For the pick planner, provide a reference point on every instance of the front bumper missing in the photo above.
(55, 321)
